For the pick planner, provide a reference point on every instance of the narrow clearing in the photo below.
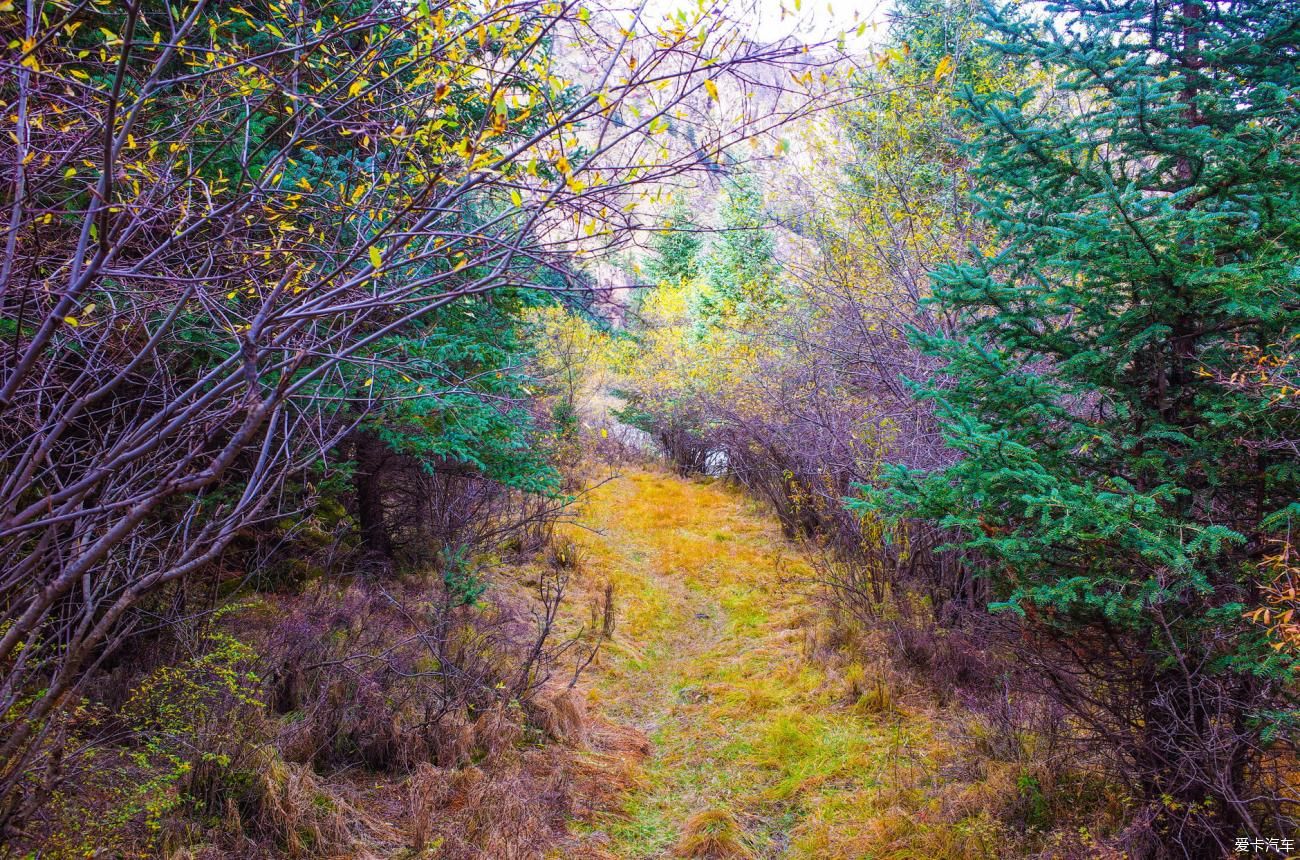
(756, 750)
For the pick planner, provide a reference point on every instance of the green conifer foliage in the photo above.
(739, 270)
(1117, 494)
(674, 247)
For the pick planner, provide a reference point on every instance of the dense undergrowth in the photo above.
(352, 717)
(269, 283)
(664, 678)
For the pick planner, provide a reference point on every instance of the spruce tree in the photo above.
(674, 248)
(740, 270)
(1118, 493)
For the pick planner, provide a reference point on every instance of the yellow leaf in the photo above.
(376, 259)
(357, 86)
(712, 89)
(943, 67)
(72, 321)
(516, 198)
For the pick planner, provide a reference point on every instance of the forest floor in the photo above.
(761, 745)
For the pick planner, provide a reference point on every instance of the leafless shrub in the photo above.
(389, 679)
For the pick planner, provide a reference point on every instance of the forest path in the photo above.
(754, 746)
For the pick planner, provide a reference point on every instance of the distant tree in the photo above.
(1120, 495)
(675, 247)
(739, 270)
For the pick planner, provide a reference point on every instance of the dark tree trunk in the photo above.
(371, 455)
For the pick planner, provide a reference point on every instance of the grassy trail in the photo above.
(755, 747)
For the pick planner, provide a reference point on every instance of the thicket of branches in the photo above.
(255, 255)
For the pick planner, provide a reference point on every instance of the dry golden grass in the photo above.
(755, 716)
(725, 719)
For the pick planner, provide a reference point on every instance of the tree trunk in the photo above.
(371, 454)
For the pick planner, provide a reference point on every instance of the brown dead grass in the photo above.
(563, 716)
(712, 834)
(519, 804)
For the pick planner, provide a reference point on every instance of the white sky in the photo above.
(815, 21)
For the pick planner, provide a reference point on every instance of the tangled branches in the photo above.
(215, 216)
